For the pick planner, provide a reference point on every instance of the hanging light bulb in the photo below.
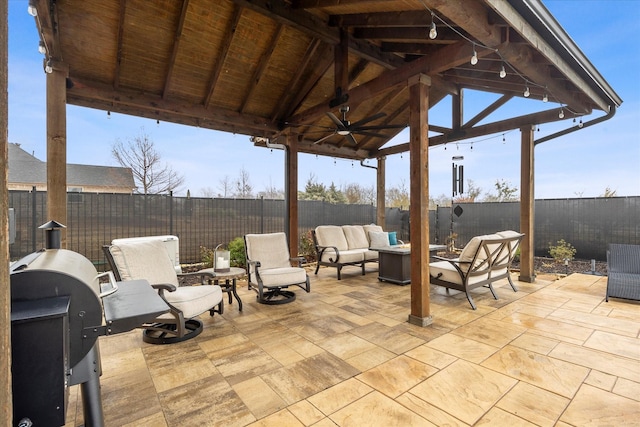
(545, 98)
(526, 92)
(503, 139)
(31, 9)
(108, 114)
(580, 124)
(561, 114)
(41, 47)
(503, 72)
(433, 32)
(48, 68)
(474, 57)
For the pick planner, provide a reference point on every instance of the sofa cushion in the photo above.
(379, 239)
(331, 235)
(371, 255)
(369, 228)
(356, 237)
(448, 273)
(346, 256)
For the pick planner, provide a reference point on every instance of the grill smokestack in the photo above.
(52, 234)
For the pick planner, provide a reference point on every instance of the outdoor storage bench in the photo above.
(337, 246)
(483, 260)
(623, 271)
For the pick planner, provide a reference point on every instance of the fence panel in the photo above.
(95, 219)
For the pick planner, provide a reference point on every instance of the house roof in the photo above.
(271, 67)
(25, 168)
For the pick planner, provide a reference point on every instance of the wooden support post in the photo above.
(419, 199)
(6, 405)
(381, 192)
(527, 201)
(57, 147)
(291, 194)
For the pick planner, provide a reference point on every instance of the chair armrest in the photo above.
(321, 249)
(161, 287)
(299, 260)
(455, 262)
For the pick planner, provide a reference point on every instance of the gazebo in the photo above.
(327, 77)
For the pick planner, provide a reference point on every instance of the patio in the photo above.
(554, 353)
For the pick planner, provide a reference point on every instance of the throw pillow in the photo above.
(379, 239)
(393, 238)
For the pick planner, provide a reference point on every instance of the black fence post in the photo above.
(261, 214)
(34, 214)
(171, 212)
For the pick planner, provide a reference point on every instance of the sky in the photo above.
(581, 164)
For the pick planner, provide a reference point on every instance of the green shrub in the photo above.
(562, 251)
(206, 255)
(237, 252)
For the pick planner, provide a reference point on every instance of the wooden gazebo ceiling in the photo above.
(268, 67)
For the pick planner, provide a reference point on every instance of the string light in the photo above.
(31, 9)
(42, 49)
(580, 124)
(503, 72)
(48, 68)
(561, 113)
(545, 97)
(503, 139)
(474, 57)
(108, 114)
(433, 32)
(526, 92)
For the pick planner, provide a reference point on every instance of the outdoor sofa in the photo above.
(484, 260)
(347, 245)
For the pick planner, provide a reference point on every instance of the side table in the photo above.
(227, 281)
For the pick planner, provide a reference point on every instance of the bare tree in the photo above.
(243, 187)
(149, 173)
(398, 197)
(208, 192)
(225, 186)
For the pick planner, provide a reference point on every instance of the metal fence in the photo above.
(96, 219)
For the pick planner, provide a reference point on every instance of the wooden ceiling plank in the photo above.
(307, 23)
(295, 80)
(176, 47)
(262, 65)
(315, 4)
(229, 34)
(382, 19)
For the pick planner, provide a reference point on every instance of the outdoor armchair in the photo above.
(269, 268)
(149, 260)
(623, 271)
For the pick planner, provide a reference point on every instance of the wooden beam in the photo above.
(121, 16)
(411, 18)
(445, 58)
(291, 190)
(57, 148)
(527, 201)
(176, 46)
(97, 95)
(547, 116)
(419, 200)
(341, 63)
(490, 109)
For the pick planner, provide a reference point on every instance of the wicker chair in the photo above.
(623, 270)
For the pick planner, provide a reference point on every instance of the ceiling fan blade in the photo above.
(336, 120)
(379, 127)
(367, 120)
(324, 138)
(352, 138)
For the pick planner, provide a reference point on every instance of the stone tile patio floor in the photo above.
(553, 353)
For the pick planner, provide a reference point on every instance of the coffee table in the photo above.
(227, 281)
(394, 263)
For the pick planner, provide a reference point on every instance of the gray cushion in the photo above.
(331, 235)
(356, 237)
(379, 239)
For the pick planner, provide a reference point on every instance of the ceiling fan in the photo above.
(345, 128)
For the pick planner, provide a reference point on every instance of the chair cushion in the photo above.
(450, 274)
(371, 255)
(331, 235)
(283, 276)
(379, 239)
(356, 237)
(271, 249)
(193, 300)
(133, 262)
(369, 228)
